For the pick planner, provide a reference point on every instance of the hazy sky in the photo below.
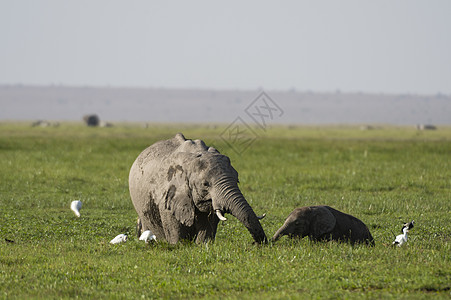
(370, 46)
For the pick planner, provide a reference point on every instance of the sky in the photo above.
(401, 46)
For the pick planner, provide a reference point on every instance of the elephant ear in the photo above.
(323, 221)
(177, 196)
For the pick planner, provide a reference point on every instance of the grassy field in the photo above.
(384, 177)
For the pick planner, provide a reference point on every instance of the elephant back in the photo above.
(160, 150)
(195, 147)
(348, 224)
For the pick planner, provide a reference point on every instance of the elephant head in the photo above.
(312, 221)
(197, 186)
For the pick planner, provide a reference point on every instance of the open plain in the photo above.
(385, 177)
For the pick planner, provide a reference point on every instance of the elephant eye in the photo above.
(206, 184)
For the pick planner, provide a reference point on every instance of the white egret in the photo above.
(75, 206)
(147, 236)
(121, 238)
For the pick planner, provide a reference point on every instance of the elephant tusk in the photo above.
(220, 216)
(262, 216)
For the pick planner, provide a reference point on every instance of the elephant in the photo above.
(182, 188)
(91, 120)
(324, 223)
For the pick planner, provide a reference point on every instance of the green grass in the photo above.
(384, 177)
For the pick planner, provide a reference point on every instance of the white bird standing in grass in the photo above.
(75, 206)
(147, 236)
(402, 238)
(121, 238)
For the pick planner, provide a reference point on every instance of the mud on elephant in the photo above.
(181, 189)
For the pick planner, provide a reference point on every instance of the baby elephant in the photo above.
(324, 223)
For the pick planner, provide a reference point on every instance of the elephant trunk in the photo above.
(280, 232)
(229, 199)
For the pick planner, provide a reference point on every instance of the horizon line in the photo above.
(207, 89)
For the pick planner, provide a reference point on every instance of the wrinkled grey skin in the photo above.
(176, 186)
(324, 223)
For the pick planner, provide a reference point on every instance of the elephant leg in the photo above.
(171, 227)
(322, 238)
(206, 225)
(150, 219)
(175, 231)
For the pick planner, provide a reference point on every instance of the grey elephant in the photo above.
(181, 189)
(324, 223)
